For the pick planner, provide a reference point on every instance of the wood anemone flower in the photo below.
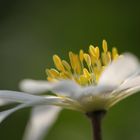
(91, 83)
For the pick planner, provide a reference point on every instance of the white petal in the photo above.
(42, 118)
(66, 87)
(50, 100)
(118, 96)
(119, 70)
(129, 87)
(131, 83)
(8, 112)
(4, 102)
(17, 96)
(132, 91)
(35, 86)
(96, 90)
(21, 97)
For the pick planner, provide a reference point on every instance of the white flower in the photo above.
(97, 87)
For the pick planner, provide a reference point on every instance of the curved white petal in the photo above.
(6, 95)
(66, 87)
(131, 83)
(132, 91)
(21, 97)
(35, 86)
(8, 112)
(47, 100)
(42, 118)
(124, 94)
(129, 87)
(119, 70)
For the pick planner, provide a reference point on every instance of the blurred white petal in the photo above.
(66, 87)
(96, 90)
(42, 118)
(129, 87)
(21, 97)
(132, 91)
(27, 100)
(35, 86)
(120, 95)
(17, 96)
(131, 83)
(8, 112)
(4, 102)
(119, 70)
(50, 100)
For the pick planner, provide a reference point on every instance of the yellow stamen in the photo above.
(71, 57)
(53, 73)
(81, 55)
(92, 50)
(66, 65)
(104, 45)
(58, 63)
(86, 73)
(83, 72)
(97, 51)
(114, 53)
(77, 64)
(65, 75)
(87, 59)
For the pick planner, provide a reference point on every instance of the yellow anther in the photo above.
(93, 59)
(109, 57)
(104, 59)
(87, 59)
(71, 57)
(114, 53)
(77, 64)
(86, 73)
(65, 75)
(66, 65)
(92, 50)
(97, 51)
(53, 73)
(58, 63)
(104, 45)
(81, 55)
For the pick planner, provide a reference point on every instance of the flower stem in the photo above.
(96, 120)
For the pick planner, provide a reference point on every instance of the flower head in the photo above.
(91, 82)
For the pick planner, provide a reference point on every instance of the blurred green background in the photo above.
(31, 31)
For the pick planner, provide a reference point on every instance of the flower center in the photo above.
(84, 68)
